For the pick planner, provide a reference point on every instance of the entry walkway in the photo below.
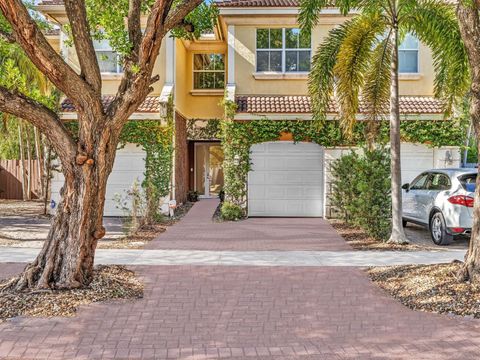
(244, 312)
(197, 231)
(252, 258)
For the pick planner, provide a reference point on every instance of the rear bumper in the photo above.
(459, 231)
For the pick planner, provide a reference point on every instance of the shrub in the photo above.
(231, 212)
(361, 191)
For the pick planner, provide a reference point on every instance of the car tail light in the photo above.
(461, 200)
(457, 229)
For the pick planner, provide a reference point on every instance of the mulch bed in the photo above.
(359, 240)
(109, 283)
(430, 288)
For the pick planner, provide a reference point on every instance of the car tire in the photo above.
(404, 223)
(438, 230)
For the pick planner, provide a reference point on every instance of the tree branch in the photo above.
(44, 119)
(46, 59)
(134, 26)
(77, 16)
(175, 18)
(8, 38)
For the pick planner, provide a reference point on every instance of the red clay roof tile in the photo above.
(301, 105)
(150, 105)
(257, 3)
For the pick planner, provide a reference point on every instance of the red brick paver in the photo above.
(210, 312)
(197, 231)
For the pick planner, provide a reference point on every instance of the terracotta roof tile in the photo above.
(150, 105)
(51, 2)
(301, 105)
(257, 3)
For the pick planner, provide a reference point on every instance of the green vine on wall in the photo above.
(237, 138)
(155, 137)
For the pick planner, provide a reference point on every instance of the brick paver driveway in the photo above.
(242, 312)
(198, 232)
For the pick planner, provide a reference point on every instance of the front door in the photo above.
(208, 169)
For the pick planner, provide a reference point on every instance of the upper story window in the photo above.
(208, 71)
(283, 50)
(108, 60)
(408, 55)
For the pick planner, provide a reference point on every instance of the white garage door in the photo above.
(129, 166)
(286, 180)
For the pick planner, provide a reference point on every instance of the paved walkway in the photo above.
(252, 258)
(275, 304)
(199, 232)
(274, 313)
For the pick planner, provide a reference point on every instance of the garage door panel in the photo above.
(286, 180)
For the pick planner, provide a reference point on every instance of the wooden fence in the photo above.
(11, 179)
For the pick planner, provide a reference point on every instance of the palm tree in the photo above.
(360, 59)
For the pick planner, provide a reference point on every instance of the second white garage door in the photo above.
(286, 180)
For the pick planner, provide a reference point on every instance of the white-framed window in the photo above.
(109, 60)
(283, 50)
(408, 55)
(208, 71)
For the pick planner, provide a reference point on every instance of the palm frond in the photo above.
(352, 63)
(376, 90)
(435, 24)
(321, 77)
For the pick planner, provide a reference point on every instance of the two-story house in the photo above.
(257, 57)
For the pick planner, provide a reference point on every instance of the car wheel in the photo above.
(438, 230)
(404, 223)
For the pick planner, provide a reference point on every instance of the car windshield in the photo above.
(468, 182)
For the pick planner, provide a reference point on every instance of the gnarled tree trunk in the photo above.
(66, 260)
(398, 235)
(469, 21)
(67, 257)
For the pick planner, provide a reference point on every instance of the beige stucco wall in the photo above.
(245, 59)
(199, 106)
(110, 82)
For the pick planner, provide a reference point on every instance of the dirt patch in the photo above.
(146, 233)
(32, 208)
(109, 283)
(359, 240)
(135, 241)
(430, 288)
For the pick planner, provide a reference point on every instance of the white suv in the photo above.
(442, 200)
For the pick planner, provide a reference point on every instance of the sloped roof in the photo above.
(302, 105)
(150, 105)
(51, 2)
(257, 3)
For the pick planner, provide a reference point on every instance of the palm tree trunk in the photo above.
(398, 235)
(469, 22)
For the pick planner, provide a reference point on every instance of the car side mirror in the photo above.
(406, 186)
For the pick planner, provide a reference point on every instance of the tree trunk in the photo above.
(29, 164)
(469, 21)
(22, 160)
(39, 161)
(398, 235)
(67, 257)
(47, 166)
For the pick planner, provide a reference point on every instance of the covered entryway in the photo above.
(286, 180)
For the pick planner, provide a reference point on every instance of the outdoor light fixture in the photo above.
(236, 160)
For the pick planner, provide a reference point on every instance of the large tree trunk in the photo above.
(469, 20)
(67, 257)
(398, 235)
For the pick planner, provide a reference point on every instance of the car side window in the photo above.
(419, 182)
(439, 182)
